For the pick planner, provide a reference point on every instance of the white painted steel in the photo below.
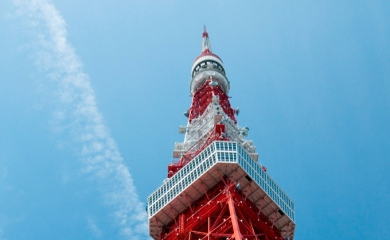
(199, 129)
(202, 76)
(230, 159)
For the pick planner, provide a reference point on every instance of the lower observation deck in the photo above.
(220, 159)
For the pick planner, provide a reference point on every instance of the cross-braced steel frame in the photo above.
(222, 213)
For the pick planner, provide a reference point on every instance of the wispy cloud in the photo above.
(98, 149)
(94, 228)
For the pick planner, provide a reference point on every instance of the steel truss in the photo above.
(204, 96)
(222, 213)
(211, 118)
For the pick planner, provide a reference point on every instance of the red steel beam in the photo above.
(236, 228)
(226, 215)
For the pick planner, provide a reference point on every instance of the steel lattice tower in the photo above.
(217, 189)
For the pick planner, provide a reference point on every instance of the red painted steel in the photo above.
(215, 135)
(223, 212)
(207, 53)
(205, 33)
(227, 214)
(204, 96)
(200, 101)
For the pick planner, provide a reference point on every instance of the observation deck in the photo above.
(218, 160)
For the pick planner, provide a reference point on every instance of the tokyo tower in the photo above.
(217, 189)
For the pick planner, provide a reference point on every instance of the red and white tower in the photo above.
(217, 189)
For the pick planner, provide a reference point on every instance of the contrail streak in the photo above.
(77, 98)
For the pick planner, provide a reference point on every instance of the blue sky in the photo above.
(92, 94)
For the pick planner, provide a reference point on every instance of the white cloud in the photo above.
(94, 228)
(78, 106)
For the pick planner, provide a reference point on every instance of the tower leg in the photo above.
(236, 228)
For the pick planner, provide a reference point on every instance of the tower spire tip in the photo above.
(206, 42)
(205, 33)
